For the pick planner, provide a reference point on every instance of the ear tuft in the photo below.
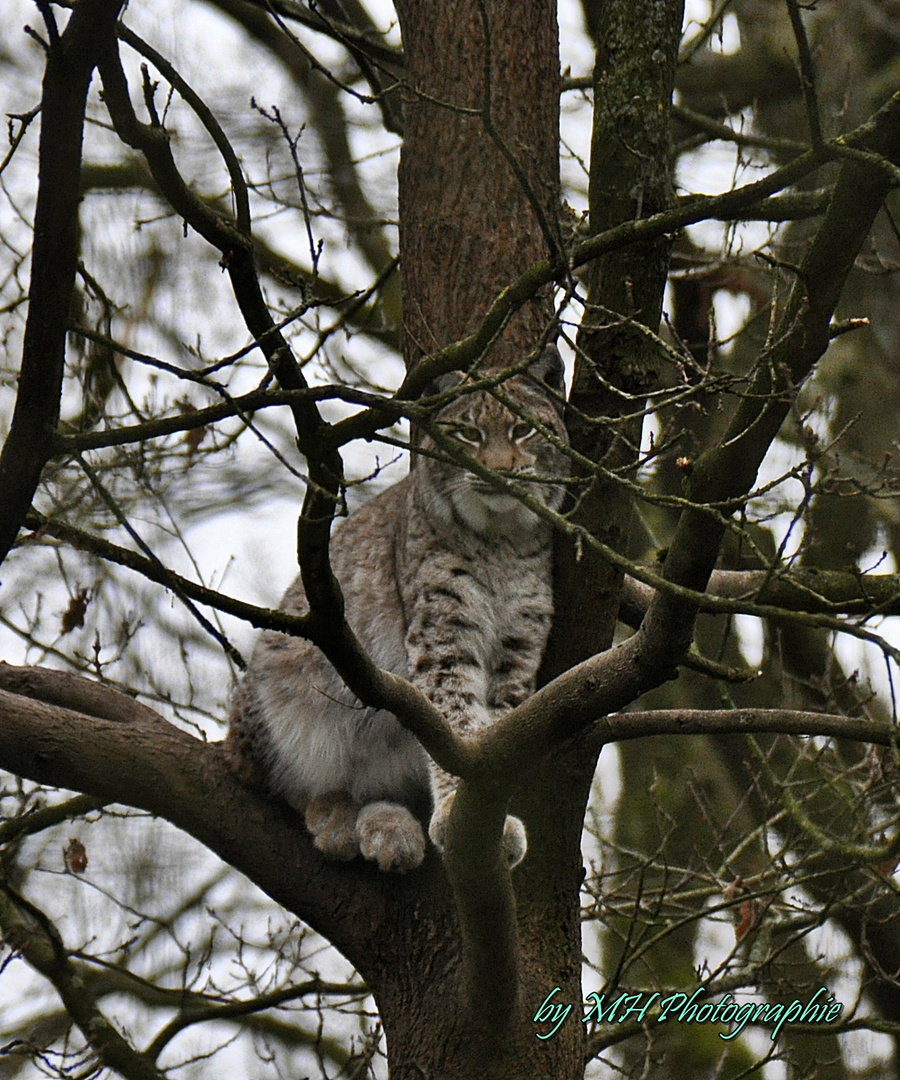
(548, 368)
(442, 384)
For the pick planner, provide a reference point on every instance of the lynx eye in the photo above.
(521, 431)
(468, 433)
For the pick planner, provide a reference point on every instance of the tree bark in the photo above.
(479, 170)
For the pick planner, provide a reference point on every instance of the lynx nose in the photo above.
(500, 454)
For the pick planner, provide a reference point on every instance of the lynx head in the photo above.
(505, 440)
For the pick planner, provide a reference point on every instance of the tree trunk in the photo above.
(479, 170)
(479, 196)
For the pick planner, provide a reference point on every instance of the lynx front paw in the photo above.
(515, 842)
(331, 819)
(389, 835)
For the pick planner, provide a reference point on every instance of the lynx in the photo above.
(447, 582)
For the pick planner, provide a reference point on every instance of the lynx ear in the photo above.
(548, 369)
(442, 384)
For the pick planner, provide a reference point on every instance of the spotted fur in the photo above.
(447, 582)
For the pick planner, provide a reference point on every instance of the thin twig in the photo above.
(315, 250)
(206, 117)
(15, 137)
(119, 515)
(807, 77)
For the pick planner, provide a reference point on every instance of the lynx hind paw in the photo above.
(515, 842)
(389, 835)
(331, 819)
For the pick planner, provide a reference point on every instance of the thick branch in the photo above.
(584, 695)
(640, 725)
(132, 756)
(136, 758)
(811, 591)
(70, 65)
(486, 904)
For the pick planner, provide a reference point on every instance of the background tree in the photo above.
(221, 291)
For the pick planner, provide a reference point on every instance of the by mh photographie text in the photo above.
(681, 1008)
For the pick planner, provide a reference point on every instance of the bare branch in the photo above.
(29, 931)
(728, 471)
(47, 816)
(639, 724)
(807, 78)
(366, 39)
(70, 64)
(791, 590)
(200, 1010)
(206, 117)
